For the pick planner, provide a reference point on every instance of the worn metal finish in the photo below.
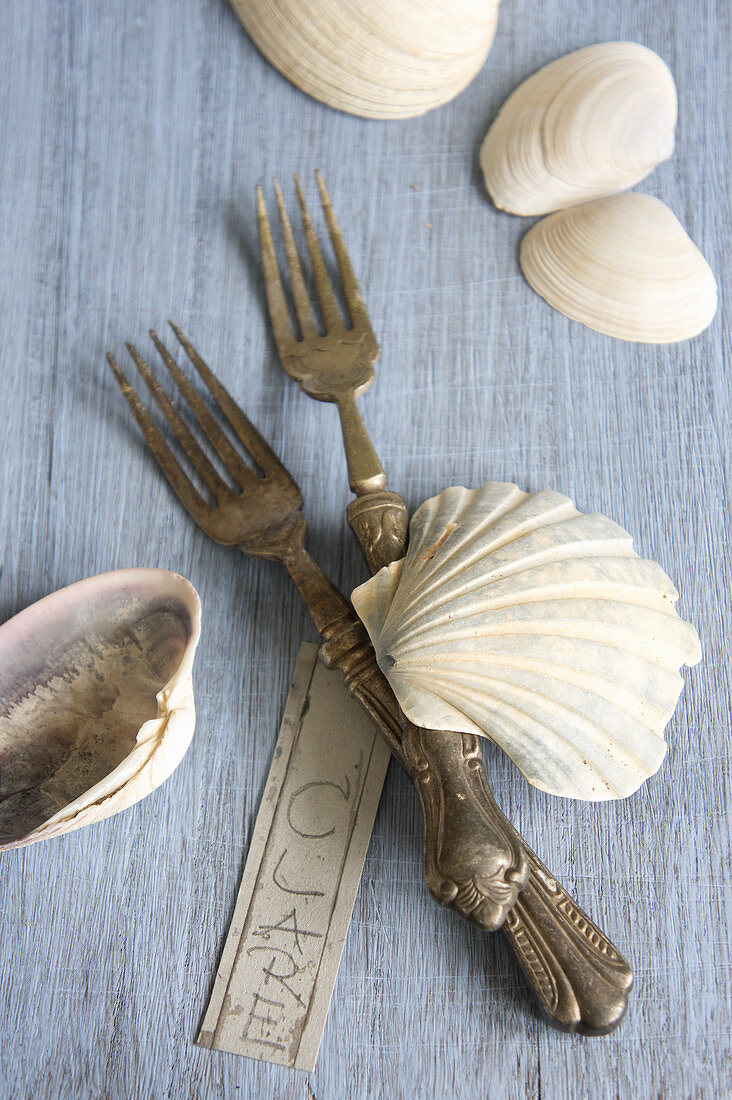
(339, 364)
(578, 978)
(465, 834)
(544, 928)
(474, 859)
(380, 522)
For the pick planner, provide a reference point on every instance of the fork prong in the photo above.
(351, 289)
(283, 334)
(234, 463)
(328, 304)
(185, 490)
(199, 461)
(297, 282)
(257, 446)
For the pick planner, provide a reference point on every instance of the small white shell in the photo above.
(517, 617)
(380, 59)
(623, 266)
(589, 124)
(96, 700)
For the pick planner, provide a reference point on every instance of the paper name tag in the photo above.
(279, 965)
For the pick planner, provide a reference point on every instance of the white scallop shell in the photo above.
(381, 59)
(623, 266)
(517, 617)
(589, 124)
(96, 700)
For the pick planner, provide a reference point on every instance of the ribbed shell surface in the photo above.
(589, 124)
(517, 617)
(624, 266)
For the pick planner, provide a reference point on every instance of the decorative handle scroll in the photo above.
(473, 860)
(580, 980)
(380, 522)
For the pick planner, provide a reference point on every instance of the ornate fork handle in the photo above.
(466, 837)
(578, 978)
(465, 832)
(473, 860)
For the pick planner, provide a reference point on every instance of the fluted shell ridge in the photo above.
(591, 123)
(381, 59)
(517, 617)
(624, 266)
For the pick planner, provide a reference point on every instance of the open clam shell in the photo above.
(591, 123)
(516, 617)
(96, 700)
(382, 59)
(623, 266)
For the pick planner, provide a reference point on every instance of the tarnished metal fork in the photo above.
(262, 516)
(336, 366)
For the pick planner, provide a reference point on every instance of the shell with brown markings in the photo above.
(96, 700)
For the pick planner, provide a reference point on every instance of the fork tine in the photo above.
(170, 466)
(351, 289)
(199, 461)
(257, 446)
(297, 282)
(326, 297)
(284, 337)
(233, 462)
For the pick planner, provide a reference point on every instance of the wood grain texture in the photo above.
(131, 140)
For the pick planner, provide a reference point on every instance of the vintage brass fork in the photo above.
(336, 366)
(577, 976)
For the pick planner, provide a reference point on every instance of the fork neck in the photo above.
(329, 609)
(365, 472)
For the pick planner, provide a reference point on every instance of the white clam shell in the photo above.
(96, 700)
(591, 123)
(516, 617)
(623, 266)
(381, 59)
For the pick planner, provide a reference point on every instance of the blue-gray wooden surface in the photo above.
(131, 139)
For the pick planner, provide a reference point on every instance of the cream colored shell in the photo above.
(380, 59)
(591, 123)
(517, 617)
(96, 700)
(623, 266)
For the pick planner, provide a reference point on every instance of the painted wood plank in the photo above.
(131, 140)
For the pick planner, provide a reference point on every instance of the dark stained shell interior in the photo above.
(78, 678)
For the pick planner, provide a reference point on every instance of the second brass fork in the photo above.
(577, 976)
(585, 979)
(263, 517)
(339, 364)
